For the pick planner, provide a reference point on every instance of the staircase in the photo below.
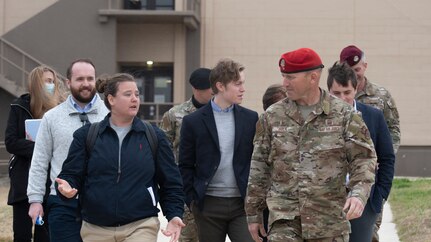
(4, 158)
(15, 64)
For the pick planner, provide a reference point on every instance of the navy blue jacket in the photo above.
(382, 140)
(114, 194)
(199, 154)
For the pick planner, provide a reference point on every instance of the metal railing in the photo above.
(153, 112)
(15, 64)
(4, 158)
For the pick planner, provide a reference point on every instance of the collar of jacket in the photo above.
(323, 106)
(23, 102)
(137, 124)
(368, 89)
(93, 110)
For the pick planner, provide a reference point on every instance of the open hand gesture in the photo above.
(65, 189)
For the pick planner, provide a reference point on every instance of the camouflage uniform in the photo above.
(380, 98)
(299, 167)
(171, 125)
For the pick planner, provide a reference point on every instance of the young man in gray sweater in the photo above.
(214, 157)
(52, 145)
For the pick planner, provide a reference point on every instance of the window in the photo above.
(155, 84)
(149, 4)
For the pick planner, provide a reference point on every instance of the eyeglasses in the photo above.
(84, 118)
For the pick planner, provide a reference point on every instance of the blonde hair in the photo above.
(40, 100)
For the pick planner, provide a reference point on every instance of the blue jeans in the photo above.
(64, 220)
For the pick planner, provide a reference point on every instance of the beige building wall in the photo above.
(395, 36)
(138, 43)
(15, 12)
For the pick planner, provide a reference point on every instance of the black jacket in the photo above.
(199, 155)
(21, 148)
(111, 196)
(382, 140)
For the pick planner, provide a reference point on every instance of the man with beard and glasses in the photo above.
(54, 137)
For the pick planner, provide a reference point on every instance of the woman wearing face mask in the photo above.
(44, 94)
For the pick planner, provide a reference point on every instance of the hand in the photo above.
(65, 189)
(254, 229)
(355, 207)
(34, 211)
(173, 229)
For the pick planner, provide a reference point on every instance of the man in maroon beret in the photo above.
(372, 94)
(303, 148)
(376, 96)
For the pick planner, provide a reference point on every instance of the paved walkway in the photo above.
(387, 232)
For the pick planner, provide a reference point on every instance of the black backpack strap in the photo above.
(151, 135)
(152, 138)
(92, 134)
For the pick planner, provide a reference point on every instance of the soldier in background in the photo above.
(376, 96)
(342, 84)
(303, 148)
(372, 94)
(171, 125)
(273, 94)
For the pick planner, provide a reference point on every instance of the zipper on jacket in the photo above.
(118, 174)
(25, 109)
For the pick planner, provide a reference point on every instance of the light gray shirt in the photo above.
(121, 133)
(223, 183)
(52, 144)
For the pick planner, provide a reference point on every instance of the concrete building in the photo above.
(181, 35)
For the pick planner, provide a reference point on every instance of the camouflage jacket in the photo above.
(380, 98)
(299, 166)
(171, 123)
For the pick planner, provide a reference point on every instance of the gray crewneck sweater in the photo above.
(223, 183)
(52, 144)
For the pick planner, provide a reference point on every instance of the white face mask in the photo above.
(49, 87)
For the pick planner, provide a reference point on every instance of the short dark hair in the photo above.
(341, 73)
(108, 85)
(69, 69)
(273, 94)
(226, 71)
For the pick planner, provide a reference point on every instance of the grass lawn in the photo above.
(411, 207)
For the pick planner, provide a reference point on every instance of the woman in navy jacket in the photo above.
(44, 94)
(120, 182)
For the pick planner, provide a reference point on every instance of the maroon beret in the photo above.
(352, 55)
(300, 60)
